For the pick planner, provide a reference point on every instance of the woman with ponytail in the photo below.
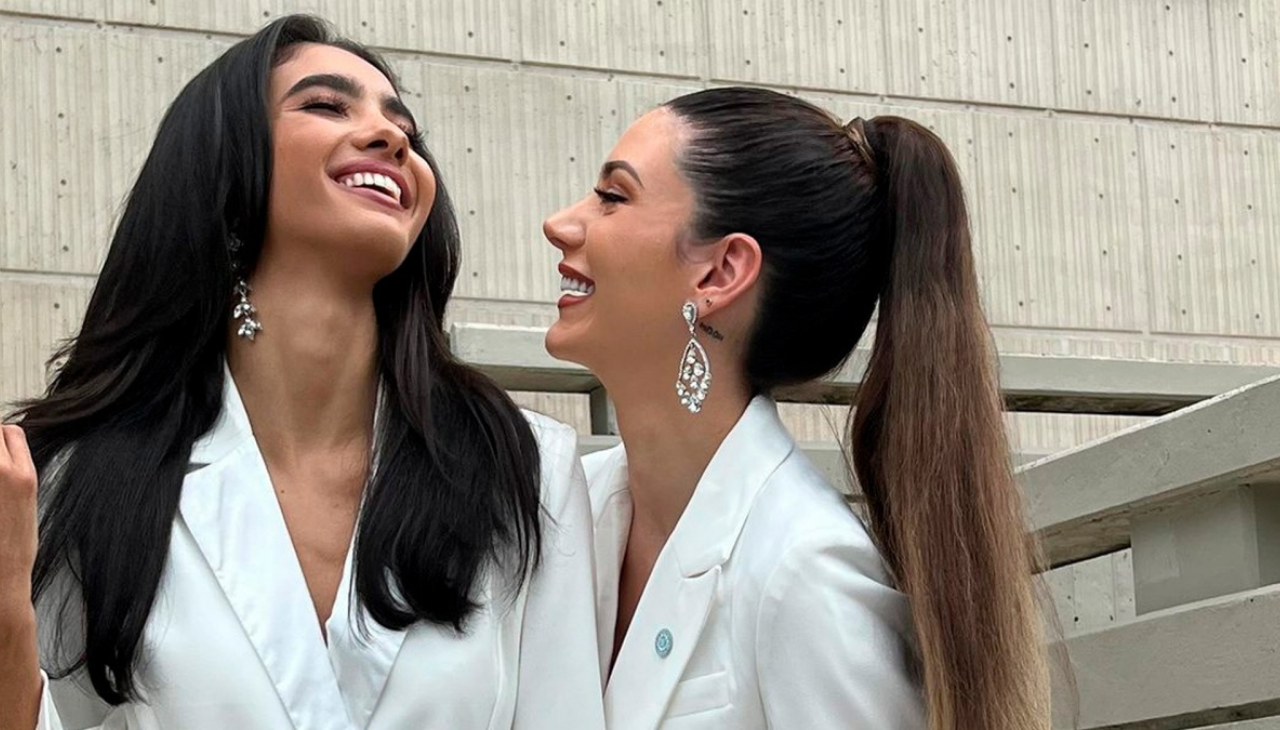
(269, 496)
(739, 241)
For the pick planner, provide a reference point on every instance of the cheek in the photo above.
(641, 281)
(426, 187)
(297, 175)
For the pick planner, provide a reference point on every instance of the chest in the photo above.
(634, 573)
(320, 504)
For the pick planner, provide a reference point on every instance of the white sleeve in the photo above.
(67, 703)
(48, 718)
(832, 642)
(559, 671)
(64, 705)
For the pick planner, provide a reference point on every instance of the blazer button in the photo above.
(662, 644)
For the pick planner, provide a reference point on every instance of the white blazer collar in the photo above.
(709, 528)
(230, 508)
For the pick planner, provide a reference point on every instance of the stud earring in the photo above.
(693, 380)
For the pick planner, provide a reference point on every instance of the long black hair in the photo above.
(850, 217)
(457, 484)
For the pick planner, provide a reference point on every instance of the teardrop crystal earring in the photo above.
(694, 377)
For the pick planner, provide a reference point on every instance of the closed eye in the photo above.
(333, 106)
(340, 107)
(609, 198)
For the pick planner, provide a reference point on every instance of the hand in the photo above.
(18, 521)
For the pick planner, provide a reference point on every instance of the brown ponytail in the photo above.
(848, 217)
(931, 457)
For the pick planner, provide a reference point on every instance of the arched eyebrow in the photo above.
(623, 165)
(335, 82)
(391, 104)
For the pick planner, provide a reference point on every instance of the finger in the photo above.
(19, 450)
(4, 444)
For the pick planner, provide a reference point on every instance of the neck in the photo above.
(309, 381)
(669, 448)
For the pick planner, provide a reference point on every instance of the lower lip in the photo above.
(373, 195)
(568, 300)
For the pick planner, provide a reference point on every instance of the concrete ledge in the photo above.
(1266, 723)
(1197, 666)
(1083, 501)
(516, 358)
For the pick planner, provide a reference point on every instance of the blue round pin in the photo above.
(662, 644)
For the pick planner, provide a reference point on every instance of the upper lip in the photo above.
(383, 168)
(572, 273)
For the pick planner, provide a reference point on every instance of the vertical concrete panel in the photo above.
(486, 28)
(1058, 235)
(1246, 55)
(837, 45)
(985, 50)
(1093, 594)
(84, 105)
(517, 146)
(665, 37)
(1150, 58)
(36, 313)
(58, 8)
(636, 98)
(1214, 230)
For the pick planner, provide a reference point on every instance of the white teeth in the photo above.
(380, 182)
(576, 287)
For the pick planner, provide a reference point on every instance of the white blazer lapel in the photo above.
(660, 641)
(611, 516)
(231, 511)
(682, 588)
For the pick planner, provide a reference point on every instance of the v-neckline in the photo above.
(328, 679)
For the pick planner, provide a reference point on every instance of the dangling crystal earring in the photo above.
(694, 378)
(246, 312)
(244, 309)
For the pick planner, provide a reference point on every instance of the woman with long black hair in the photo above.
(269, 496)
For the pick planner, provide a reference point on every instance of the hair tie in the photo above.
(856, 131)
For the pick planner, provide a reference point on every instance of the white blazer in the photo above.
(233, 640)
(768, 607)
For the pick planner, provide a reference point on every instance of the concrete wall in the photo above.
(1122, 156)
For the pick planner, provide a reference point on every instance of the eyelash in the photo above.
(338, 105)
(609, 198)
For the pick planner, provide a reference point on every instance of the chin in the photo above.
(376, 253)
(562, 345)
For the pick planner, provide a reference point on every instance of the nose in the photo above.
(383, 135)
(564, 229)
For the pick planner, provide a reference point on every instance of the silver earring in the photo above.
(246, 312)
(244, 309)
(694, 377)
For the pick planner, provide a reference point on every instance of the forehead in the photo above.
(650, 144)
(309, 59)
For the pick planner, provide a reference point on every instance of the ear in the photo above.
(729, 271)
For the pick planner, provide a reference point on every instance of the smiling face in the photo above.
(346, 186)
(625, 281)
